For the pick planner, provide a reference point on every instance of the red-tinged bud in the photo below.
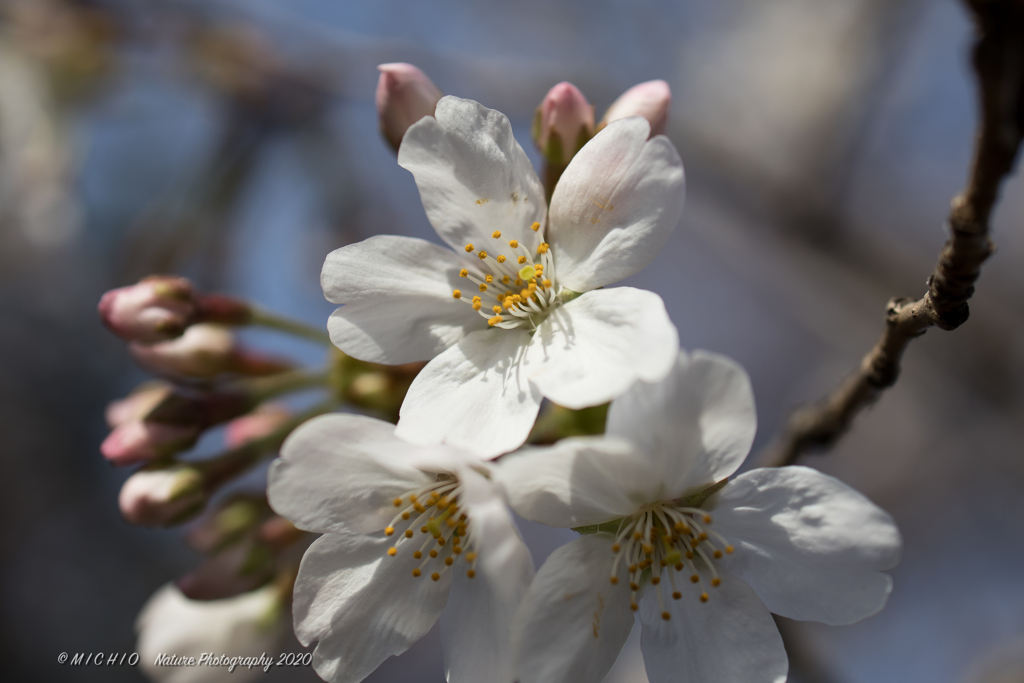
(650, 100)
(137, 404)
(219, 308)
(204, 351)
(162, 497)
(156, 309)
(563, 123)
(142, 441)
(404, 96)
(237, 569)
(267, 419)
(278, 533)
(234, 518)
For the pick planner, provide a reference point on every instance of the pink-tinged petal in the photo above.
(812, 547)
(697, 424)
(615, 206)
(730, 638)
(404, 96)
(474, 178)
(595, 347)
(573, 621)
(563, 123)
(362, 605)
(473, 396)
(650, 100)
(342, 473)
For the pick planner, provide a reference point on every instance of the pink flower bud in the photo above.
(563, 123)
(237, 569)
(137, 404)
(156, 309)
(404, 96)
(204, 351)
(650, 100)
(162, 497)
(263, 422)
(142, 440)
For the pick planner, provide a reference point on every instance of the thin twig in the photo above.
(998, 61)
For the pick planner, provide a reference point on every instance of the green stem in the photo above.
(265, 388)
(293, 327)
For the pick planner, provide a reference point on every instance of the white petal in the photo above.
(578, 481)
(398, 295)
(342, 473)
(473, 177)
(596, 346)
(573, 621)
(361, 605)
(476, 624)
(473, 396)
(698, 423)
(812, 547)
(615, 206)
(728, 639)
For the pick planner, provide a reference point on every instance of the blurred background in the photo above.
(235, 142)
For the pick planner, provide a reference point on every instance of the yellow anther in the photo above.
(614, 580)
(519, 283)
(546, 284)
(532, 287)
(397, 502)
(406, 515)
(703, 536)
(679, 566)
(535, 227)
(476, 300)
(435, 576)
(633, 606)
(496, 234)
(633, 586)
(539, 267)
(464, 273)
(506, 279)
(457, 294)
(513, 243)
(449, 561)
(716, 582)
(521, 260)
(441, 541)
(703, 597)
(694, 578)
(469, 247)
(495, 320)
(500, 258)
(456, 549)
(525, 293)
(432, 553)
(680, 527)
(543, 247)
(470, 573)
(483, 287)
(666, 616)
(417, 554)
(637, 535)
(616, 548)
(452, 522)
(470, 557)
(689, 555)
(416, 572)
(729, 550)
(419, 508)
(495, 310)
(717, 554)
(392, 551)
(482, 255)
(424, 529)
(388, 531)
(648, 548)
(707, 519)
(408, 533)
(676, 595)
(477, 305)
(694, 542)
(632, 568)
(655, 580)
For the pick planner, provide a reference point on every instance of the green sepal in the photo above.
(694, 500)
(610, 527)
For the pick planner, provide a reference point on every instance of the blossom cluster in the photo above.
(416, 515)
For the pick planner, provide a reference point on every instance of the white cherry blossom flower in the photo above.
(703, 561)
(517, 311)
(411, 535)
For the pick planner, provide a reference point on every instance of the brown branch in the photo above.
(998, 61)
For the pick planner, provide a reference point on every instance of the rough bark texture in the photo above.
(998, 60)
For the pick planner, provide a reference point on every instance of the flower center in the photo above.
(445, 531)
(515, 290)
(666, 540)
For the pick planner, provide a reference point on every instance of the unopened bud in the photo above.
(204, 351)
(278, 533)
(237, 569)
(233, 519)
(137, 404)
(404, 96)
(162, 497)
(563, 123)
(142, 440)
(156, 309)
(256, 425)
(650, 100)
